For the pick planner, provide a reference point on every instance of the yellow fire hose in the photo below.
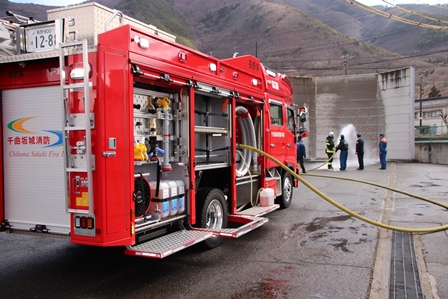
(323, 163)
(350, 212)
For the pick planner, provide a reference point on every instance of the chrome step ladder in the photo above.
(83, 160)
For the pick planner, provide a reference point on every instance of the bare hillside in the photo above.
(285, 38)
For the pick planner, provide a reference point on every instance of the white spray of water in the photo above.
(349, 132)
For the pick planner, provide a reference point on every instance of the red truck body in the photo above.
(133, 141)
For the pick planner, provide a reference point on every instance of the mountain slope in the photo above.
(283, 37)
(380, 31)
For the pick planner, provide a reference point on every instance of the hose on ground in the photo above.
(350, 212)
(326, 162)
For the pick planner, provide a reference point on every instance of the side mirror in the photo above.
(303, 114)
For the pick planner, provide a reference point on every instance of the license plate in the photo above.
(41, 38)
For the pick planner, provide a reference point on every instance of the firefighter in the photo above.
(360, 151)
(301, 153)
(343, 147)
(383, 151)
(330, 149)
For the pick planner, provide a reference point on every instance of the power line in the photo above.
(341, 43)
(436, 6)
(415, 13)
(394, 17)
(318, 45)
(378, 61)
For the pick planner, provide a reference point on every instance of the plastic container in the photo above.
(161, 202)
(173, 197)
(267, 197)
(180, 196)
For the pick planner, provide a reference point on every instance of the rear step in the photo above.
(259, 210)
(174, 242)
(168, 244)
(250, 223)
(249, 219)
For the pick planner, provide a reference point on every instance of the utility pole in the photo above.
(346, 57)
(422, 75)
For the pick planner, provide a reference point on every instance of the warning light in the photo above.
(84, 225)
(77, 222)
(90, 222)
(77, 71)
(83, 222)
(303, 114)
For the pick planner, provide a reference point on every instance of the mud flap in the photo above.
(296, 181)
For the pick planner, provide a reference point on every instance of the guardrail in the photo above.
(431, 133)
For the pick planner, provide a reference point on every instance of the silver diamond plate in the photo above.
(42, 55)
(90, 20)
(259, 210)
(171, 243)
(239, 231)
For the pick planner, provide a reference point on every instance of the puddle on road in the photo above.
(320, 223)
(267, 288)
(425, 185)
(341, 244)
(323, 229)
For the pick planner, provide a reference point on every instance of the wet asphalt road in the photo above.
(311, 250)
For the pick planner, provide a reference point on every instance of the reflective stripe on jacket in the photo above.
(330, 146)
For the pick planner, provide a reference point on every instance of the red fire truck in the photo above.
(113, 134)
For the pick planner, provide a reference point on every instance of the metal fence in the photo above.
(431, 133)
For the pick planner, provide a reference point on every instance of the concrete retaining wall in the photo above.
(434, 153)
(366, 104)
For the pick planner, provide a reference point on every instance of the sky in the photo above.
(366, 2)
(398, 2)
(49, 2)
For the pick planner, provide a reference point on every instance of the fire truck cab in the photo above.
(113, 134)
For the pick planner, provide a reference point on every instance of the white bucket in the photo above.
(173, 197)
(160, 203)
(180, 196)
(267, 197)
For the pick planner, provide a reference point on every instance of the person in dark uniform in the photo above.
(383, 150)
(329, 150)
(360, 151)
(343, 147)
(301, 153)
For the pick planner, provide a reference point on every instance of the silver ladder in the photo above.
(83, 160)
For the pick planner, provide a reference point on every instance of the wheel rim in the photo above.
(287, 189)
(214, 215)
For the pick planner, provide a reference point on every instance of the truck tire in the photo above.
(211, 213)
(284, 200)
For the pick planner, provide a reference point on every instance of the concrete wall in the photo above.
(434, 153)
(368, 104)
(397, 92)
